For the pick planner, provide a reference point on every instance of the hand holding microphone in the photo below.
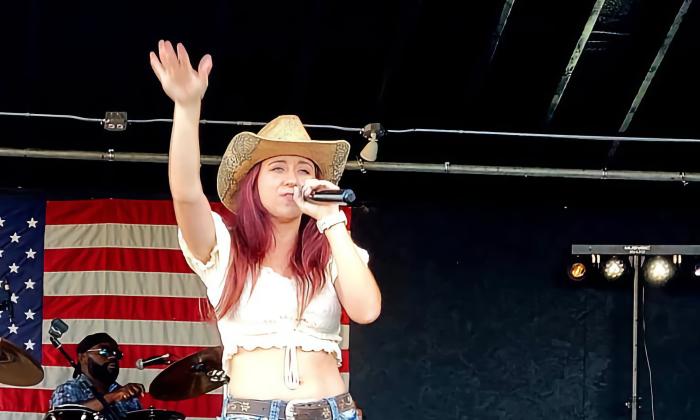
(320, 198)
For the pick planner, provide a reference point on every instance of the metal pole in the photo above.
(496, 37)
(575, 55)
(633, 404)
(655, 65)
(445, 167)
(224, 404)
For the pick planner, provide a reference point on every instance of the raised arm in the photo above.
(186, 87)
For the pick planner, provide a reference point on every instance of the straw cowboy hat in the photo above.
(285, 135)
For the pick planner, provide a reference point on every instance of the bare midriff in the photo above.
(259, 374)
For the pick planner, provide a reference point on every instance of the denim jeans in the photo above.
(277, 404)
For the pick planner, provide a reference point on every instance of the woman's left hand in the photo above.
(314, 209)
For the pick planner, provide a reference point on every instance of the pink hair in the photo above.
(252, 237)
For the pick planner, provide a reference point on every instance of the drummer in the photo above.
(94, 380)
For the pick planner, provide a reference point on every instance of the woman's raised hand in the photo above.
(182, 83)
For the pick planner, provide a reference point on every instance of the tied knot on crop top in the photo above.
(267, 315)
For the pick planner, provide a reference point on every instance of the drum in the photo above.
(72, 412)
(153, 414)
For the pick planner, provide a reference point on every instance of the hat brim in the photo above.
(247, 149)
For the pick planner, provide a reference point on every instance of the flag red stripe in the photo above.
(110, 211)
(115, 259)
(37, 401)
(25, 400)
(157, 212)
(345, 367)
(156, 308)
(147, 212)
(344, 318)
(207, 405)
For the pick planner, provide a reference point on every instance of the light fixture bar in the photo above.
(580, 249)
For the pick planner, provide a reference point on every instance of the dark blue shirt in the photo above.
(79, 390)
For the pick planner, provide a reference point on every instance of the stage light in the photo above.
(614, 268)
(372, 132)
(696, 270)
(578, 269)
(369, 152)
(659, 270)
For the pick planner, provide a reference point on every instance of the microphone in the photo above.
(154, 360)
(345, 196)
(57, 328)
(7, 303)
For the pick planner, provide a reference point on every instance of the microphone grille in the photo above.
(348, 196)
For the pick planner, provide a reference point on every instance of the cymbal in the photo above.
(190, 377)
(17, 368)
(153, 414)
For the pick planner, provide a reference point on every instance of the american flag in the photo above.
(102, 265)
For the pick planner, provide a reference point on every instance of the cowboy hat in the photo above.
(285, 135)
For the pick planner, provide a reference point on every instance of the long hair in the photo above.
(251, 239)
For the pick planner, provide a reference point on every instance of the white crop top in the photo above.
(267, 317)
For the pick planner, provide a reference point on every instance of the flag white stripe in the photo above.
(129, 283)
(167, 333)
(345, 334)
(15, 415)
(57, 375)
(111, 235)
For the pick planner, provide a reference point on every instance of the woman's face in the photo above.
(276, 181)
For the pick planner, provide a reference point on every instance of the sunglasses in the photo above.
(107, 353)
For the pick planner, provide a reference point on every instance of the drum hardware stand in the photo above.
(59, 347)
(215, 375)
(218, 376)
(6, 305)
(224, 402)
(56, 330)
